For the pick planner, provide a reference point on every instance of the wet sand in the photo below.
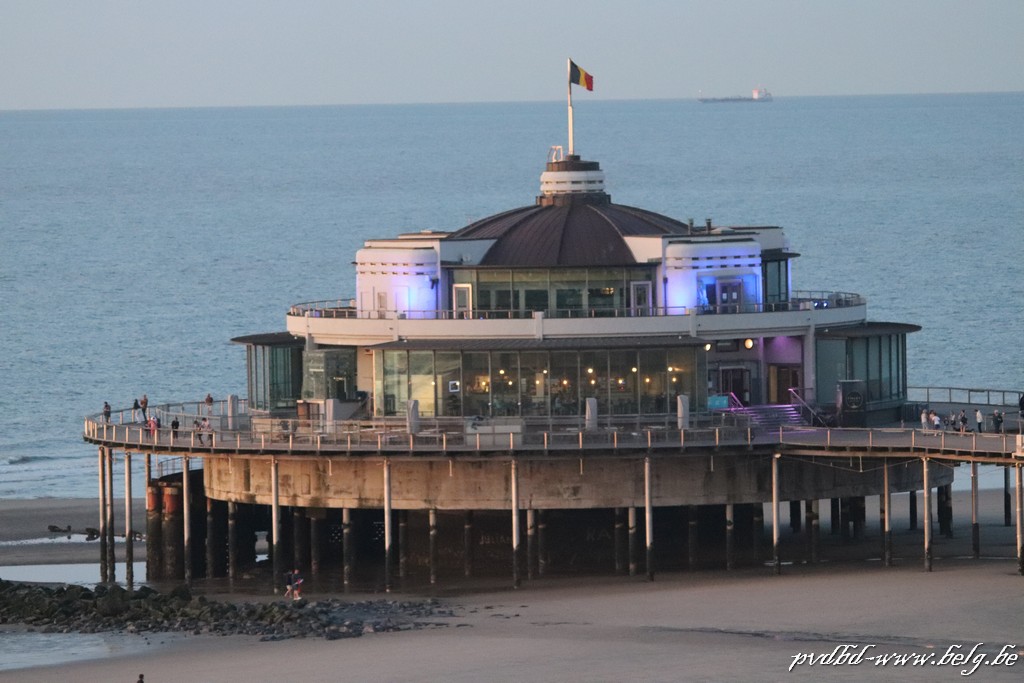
(711, 625)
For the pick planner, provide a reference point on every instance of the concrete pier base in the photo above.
(154, 534)
(172, 533)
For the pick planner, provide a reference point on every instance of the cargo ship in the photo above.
(757, 95)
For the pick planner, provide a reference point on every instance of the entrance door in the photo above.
(462, 298)
(640, 298)
(782, 378)
(730, 296)
(736, 381)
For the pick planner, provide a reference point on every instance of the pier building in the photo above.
(581, 373)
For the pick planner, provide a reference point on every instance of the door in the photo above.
(735, 381)
(462, 301)
(782, 378)
(640, 298)
(730, 296)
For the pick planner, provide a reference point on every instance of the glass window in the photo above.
(652, 374)
(421, 381)
(476, 386)
(396, 382)
(505, 374)
(594, 378)
(533, 378)
(448, 375)
(622, 376)
(564, 383)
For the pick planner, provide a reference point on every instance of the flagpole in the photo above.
(568, 80)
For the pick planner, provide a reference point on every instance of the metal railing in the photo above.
(996, 398)
(799, 300)
(971, 443)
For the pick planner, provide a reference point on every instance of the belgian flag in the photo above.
(580, 77)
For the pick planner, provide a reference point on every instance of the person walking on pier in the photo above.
(106, 412)
(980, 419)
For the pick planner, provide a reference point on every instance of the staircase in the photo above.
(770, 417)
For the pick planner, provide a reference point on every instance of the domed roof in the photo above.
(573, 223)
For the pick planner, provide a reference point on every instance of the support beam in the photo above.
(776, 560)
(632, 540)
(232, 540)
(887, 518)
(275, 525)
(186, 520)
(347, 558)
(129, 532)
(531, 542)
(387, 524)
(101, 471)
(730, 543)
(111, 557)
(975, 526)
(514, 485)
(1020, 521)
(648, 518)
(927, 516)
(432, 523)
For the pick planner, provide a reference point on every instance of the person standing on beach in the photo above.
(980, 419)
(106, 412)
(143, 404)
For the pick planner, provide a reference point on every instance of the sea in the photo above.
(134, 244)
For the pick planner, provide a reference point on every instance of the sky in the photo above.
(69, 54)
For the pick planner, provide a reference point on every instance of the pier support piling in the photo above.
(912, 507)
(927, 516)
(467, 544)
(186, 520)
(129, 532)
(171, 533)
(101, 471)
(730, 542)
(111, 556)
(813, 529)
(347, 558)
(403, 543)
(886, 519)
(432, 523)
(531, 543)
(648, 518)
(776, 560)
(632, 540)
(232, 540)
(514, 485)
(975, 526)
(691, 536)
(387, 525)
(276, 558)
(1020, 520)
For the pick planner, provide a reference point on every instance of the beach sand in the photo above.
(744, 625)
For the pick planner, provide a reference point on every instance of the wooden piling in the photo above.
(432, 524)
(129, 532)
(101, 471)
(186, 517)
(730, 546)
(514, 486)
(276, 558)
(975, 526)
(927, 516)
(387, 524)
(776, 560)
(648, 518)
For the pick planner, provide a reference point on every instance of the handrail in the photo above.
(816, 417)
(798, 300)
(1001, 398)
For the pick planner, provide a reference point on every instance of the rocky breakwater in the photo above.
(77, 609)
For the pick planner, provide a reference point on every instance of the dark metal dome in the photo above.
(568, 226)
